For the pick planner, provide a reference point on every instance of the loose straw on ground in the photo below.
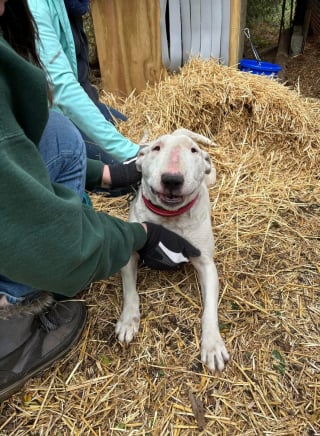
(266, 221)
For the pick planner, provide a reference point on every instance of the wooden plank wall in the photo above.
(128, 43)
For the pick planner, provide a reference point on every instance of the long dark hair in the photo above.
(20, 30)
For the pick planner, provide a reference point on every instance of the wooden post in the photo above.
(237, 23)
(128, 42)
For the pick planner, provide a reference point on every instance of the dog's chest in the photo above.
(194, 225)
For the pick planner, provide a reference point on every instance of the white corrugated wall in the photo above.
(194, 28)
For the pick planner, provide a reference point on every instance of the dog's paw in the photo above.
(127, 326)
(213, 352)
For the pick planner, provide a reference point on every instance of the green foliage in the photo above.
(121, 426)
(279, 363)
(267, 11)
(104, 360)
(264, 20)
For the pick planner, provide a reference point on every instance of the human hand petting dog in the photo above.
(165, 249)
(121, 175)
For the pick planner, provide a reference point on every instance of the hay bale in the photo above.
(224, 103)
(265, 216)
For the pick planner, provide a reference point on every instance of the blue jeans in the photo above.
(94, 151)
(64, 154)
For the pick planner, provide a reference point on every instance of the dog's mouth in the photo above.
(169, 198)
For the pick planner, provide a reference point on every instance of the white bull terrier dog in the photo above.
(176, 174)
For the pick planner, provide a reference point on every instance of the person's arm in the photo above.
(69, 96)
(111, 176)
(50, 240)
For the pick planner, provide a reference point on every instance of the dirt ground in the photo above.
(302, 72)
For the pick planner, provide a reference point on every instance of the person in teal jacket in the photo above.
(52, 245)
(58, 55)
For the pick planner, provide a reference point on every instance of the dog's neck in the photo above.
(168, 213)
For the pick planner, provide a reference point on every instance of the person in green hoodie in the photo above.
(52, 244)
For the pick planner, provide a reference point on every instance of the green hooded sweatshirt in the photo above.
(49, 239)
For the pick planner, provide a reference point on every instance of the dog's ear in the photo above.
(196, 137)
(141, 153)
(210, 171)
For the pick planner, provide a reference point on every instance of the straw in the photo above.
(266, 221)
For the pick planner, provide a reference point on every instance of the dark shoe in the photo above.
(31, 342)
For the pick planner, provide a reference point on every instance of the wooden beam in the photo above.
(237, 23)
(128, 43)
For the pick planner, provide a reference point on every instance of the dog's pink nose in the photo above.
(172, 180)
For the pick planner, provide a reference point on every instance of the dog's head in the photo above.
(174, 167)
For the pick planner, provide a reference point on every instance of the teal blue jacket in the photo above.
(57, 53)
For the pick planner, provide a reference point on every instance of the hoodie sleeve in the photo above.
(69, 97)
(50, 239)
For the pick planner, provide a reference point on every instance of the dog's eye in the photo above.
(194, 150)
(156, 148)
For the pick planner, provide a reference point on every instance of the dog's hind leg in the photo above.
(213, 350)
(128, 324)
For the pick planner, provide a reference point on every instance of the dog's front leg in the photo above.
(128, 324)
(213, 350)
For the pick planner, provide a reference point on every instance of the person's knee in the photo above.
(61, 139)
(68, 136)
(63, 152)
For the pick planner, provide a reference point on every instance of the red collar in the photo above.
(168, 213)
